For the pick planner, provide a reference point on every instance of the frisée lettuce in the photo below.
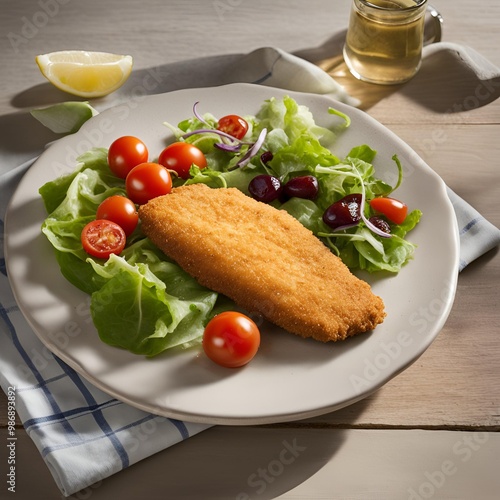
(301, 147)
(144, 302)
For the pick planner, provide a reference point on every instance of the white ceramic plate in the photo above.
(290, 378)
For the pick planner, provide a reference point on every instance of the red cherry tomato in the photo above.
(179, 157)
(121, 210)
(231, 339)
(233, 125)
(147, 181)
(393, 209)
(100, 238)
(125, 153)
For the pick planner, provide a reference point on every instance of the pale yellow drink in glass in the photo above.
(384, 40)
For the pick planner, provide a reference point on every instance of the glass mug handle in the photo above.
(433, 31)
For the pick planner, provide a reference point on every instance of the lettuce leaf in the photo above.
(156, 303)
(65, 117)
(144, 302)
(300, 147)
(140, 301)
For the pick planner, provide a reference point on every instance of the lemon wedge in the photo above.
(83, 73)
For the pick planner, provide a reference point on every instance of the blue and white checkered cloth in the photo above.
(83, 434)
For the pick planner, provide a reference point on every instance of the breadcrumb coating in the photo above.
(263, 259)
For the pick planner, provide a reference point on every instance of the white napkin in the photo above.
(83, 434)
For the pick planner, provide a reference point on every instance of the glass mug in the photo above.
(385, 38)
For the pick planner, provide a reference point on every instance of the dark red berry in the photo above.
(305, 186)
(266, 157)
(344, 212)
(380, 223)
(265, 188)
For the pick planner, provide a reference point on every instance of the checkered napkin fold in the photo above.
(83, 434)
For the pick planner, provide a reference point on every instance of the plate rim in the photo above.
(264, 419)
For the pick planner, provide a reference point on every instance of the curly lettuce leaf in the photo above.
(55, 192)
(141, 301)
(294, 119)
(298, 147)
(137, 310)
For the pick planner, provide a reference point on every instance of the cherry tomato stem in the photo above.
(180, 156)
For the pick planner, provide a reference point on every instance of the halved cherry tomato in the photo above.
(121, 210)
(233, 125)
(147, 181)
(100, 238)
(125, 153)
(231, 339)
(179, 157)
(393, 209)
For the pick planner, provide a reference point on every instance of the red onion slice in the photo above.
(209, 131)
(198, 116)
(254, 149)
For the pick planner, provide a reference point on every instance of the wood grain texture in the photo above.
(320, 467)
(454, 385)
(461, 147)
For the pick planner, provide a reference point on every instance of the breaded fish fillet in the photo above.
(263, 259)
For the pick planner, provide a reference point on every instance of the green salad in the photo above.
(144, 302)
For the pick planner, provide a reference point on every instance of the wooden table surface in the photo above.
(446, 406)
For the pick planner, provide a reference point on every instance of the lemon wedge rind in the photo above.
(84, 73)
